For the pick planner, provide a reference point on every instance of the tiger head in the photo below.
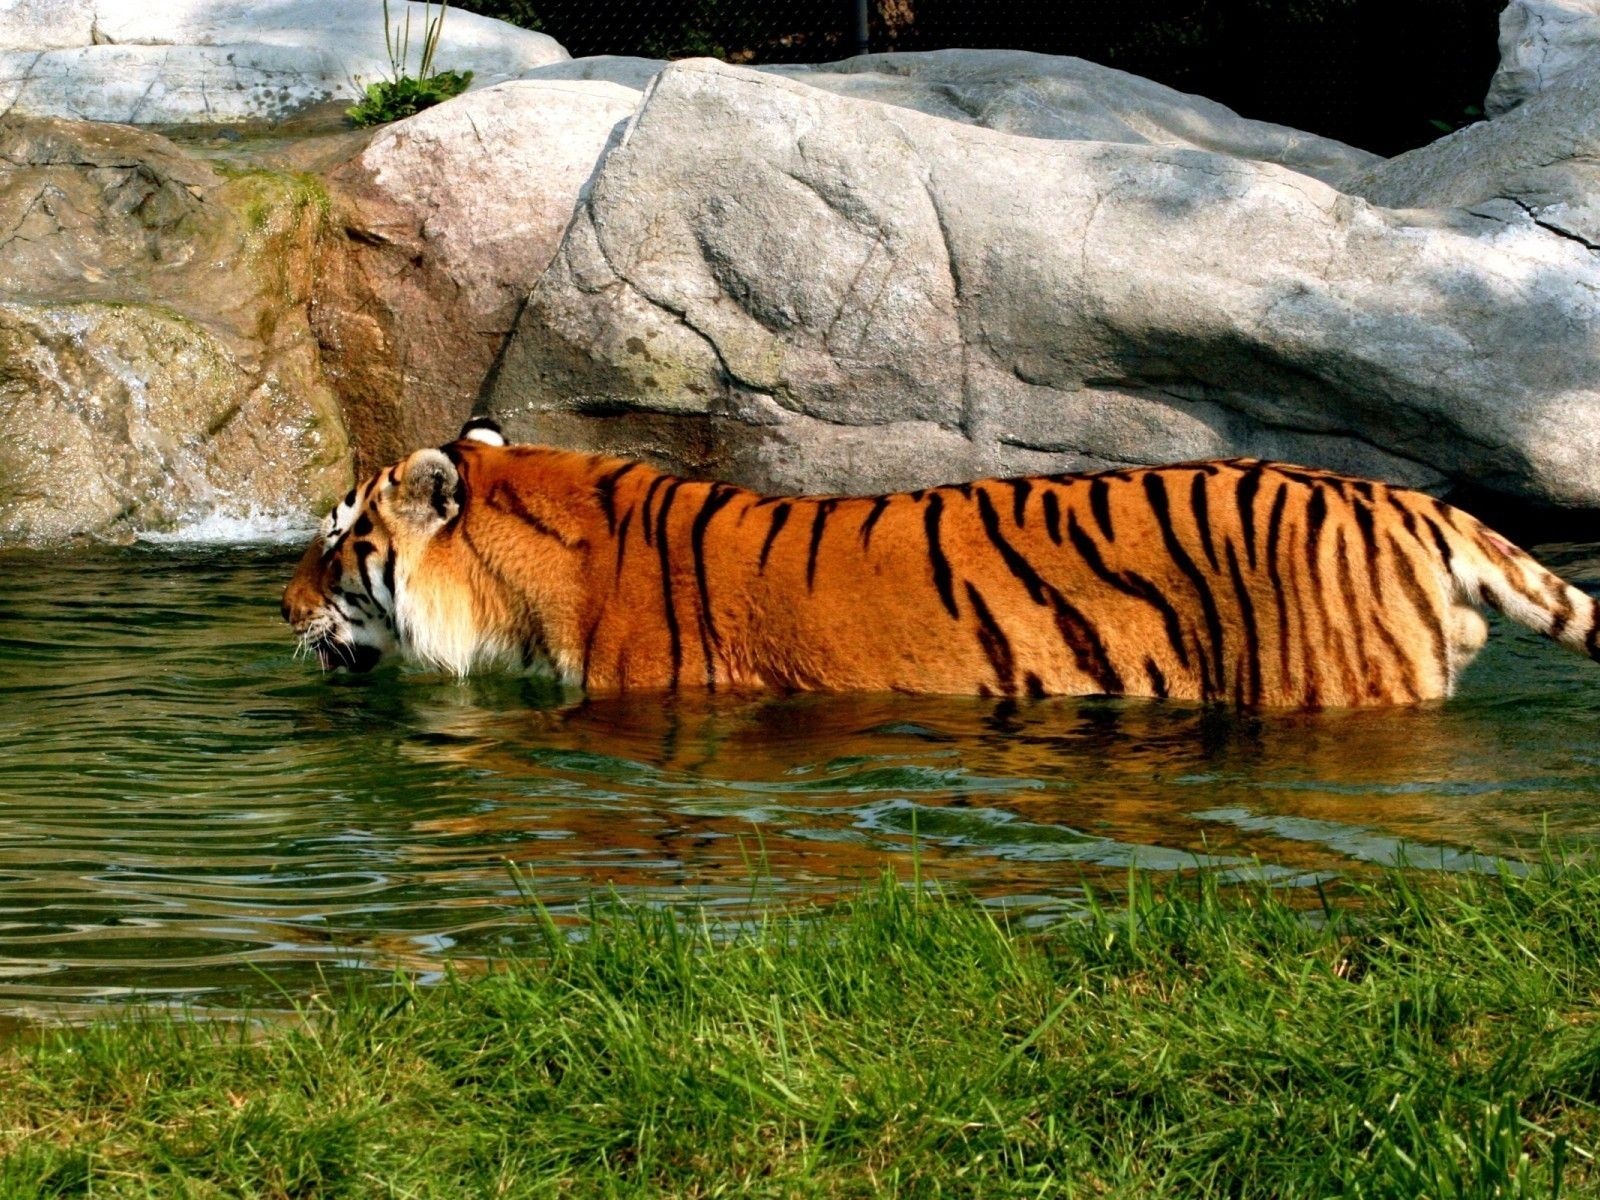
(396, 569)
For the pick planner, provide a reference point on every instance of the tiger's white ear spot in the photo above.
(483, 429)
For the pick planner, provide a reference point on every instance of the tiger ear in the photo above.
(482, 429)
(427, 489)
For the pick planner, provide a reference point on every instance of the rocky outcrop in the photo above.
(1540, 42)
(796, 289)
(156, 365)
(880, 273)
(1034, 95)
(1540, 163)
(203, 61)
(443, 223)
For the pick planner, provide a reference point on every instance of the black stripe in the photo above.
(1402, 661)
(1249, 485)
(1052, 516)
(503, 498)
(936, 558)
(1015, 563)
(780, 517)
(1561, 618)
(1100, 506)
(1247, 619)
(1020, 489)
(1158, 681)
(1155, 490)
(1129, 583)
(1440, 542)
(824, 511)
(1420, 600)
(388, 573)
(879, 503)
(1200, 505)
(1076, 630)
(605, 491)
(716, 498)
(1275, 574)
(1406, 516)
(622, 539)
(364, 551)
(668, 605)
(645, 521)
(436, 499)
(994, 642)
(1034, 686)
(1083, 640)
(363, 526)
(1311, 684)
(1347, 588)
(1369, 539)
(1316, 514)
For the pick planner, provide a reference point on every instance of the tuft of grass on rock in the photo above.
(404, 94)
(1414, 1036)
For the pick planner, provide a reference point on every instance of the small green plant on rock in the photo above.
(403, 94)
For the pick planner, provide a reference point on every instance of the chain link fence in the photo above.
(1386, 75)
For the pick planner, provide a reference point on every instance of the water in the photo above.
(190, 815)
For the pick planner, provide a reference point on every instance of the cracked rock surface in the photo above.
(442, 223)
(794, 289)
(1540, 42)
(1539, 162)
(1034, 95)
(156, 365)
(203, 61)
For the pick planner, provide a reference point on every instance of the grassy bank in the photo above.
(1420, 1036)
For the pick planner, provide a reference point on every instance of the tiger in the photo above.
(1242, 582)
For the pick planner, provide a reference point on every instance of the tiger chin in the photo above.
(1244, 582)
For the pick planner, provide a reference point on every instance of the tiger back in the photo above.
(1247, 582)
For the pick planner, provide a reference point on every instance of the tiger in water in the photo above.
(1243, 582)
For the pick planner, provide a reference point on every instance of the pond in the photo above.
(190, 815)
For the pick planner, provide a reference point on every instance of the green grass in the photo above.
(1414, 1036)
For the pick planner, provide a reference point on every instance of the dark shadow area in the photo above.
(1386, 75)
(1524, 521)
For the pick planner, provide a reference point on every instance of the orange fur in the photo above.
(1245, 582)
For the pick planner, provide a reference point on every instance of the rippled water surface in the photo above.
(189, 814)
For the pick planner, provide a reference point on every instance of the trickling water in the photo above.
(190, 814)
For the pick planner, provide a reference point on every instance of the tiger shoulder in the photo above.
(1246, 582)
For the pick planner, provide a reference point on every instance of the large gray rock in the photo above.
(1540, 162)
(796, 289)
(1035, 95)
(444, 223)
(201, 61)
(1540, 41)
(156, 365)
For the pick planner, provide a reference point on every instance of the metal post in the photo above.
(863, 34)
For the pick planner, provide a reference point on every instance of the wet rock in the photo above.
(796, 289)
(1540, 42)
(156, 364)
(201, 61)
(444, 222)
(1035, 95)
